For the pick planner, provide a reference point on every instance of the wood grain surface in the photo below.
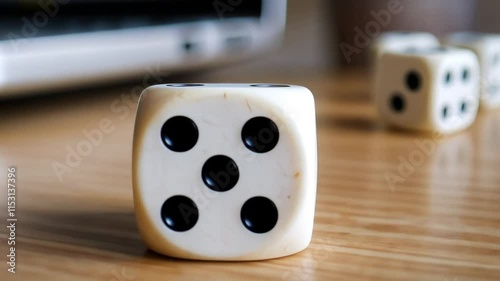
(436, 219)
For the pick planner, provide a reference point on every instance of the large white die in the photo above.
(225, 171)
(434, 90)
(402, 41)
(487, 49)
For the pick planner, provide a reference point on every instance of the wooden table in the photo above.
(437, 219)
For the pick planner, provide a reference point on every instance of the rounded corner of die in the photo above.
(307, 241)
(303, 242)
(307, 94)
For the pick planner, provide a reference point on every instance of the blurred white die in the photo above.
(434, 90)
(487, 49)
(225, 171)
(402, 41)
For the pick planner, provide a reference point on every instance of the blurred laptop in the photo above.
(49, 44)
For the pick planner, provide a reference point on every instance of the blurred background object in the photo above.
(315, 31)
(48, 44)
(316, 28)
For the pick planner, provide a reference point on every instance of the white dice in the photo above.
(402, 41)
(487, 48)
(225, 171)
(434, 90)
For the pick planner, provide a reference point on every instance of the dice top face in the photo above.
(225, 171)
(487, 48)
(428, 90)
(403, 41)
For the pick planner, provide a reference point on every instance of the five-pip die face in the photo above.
(225, 171)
